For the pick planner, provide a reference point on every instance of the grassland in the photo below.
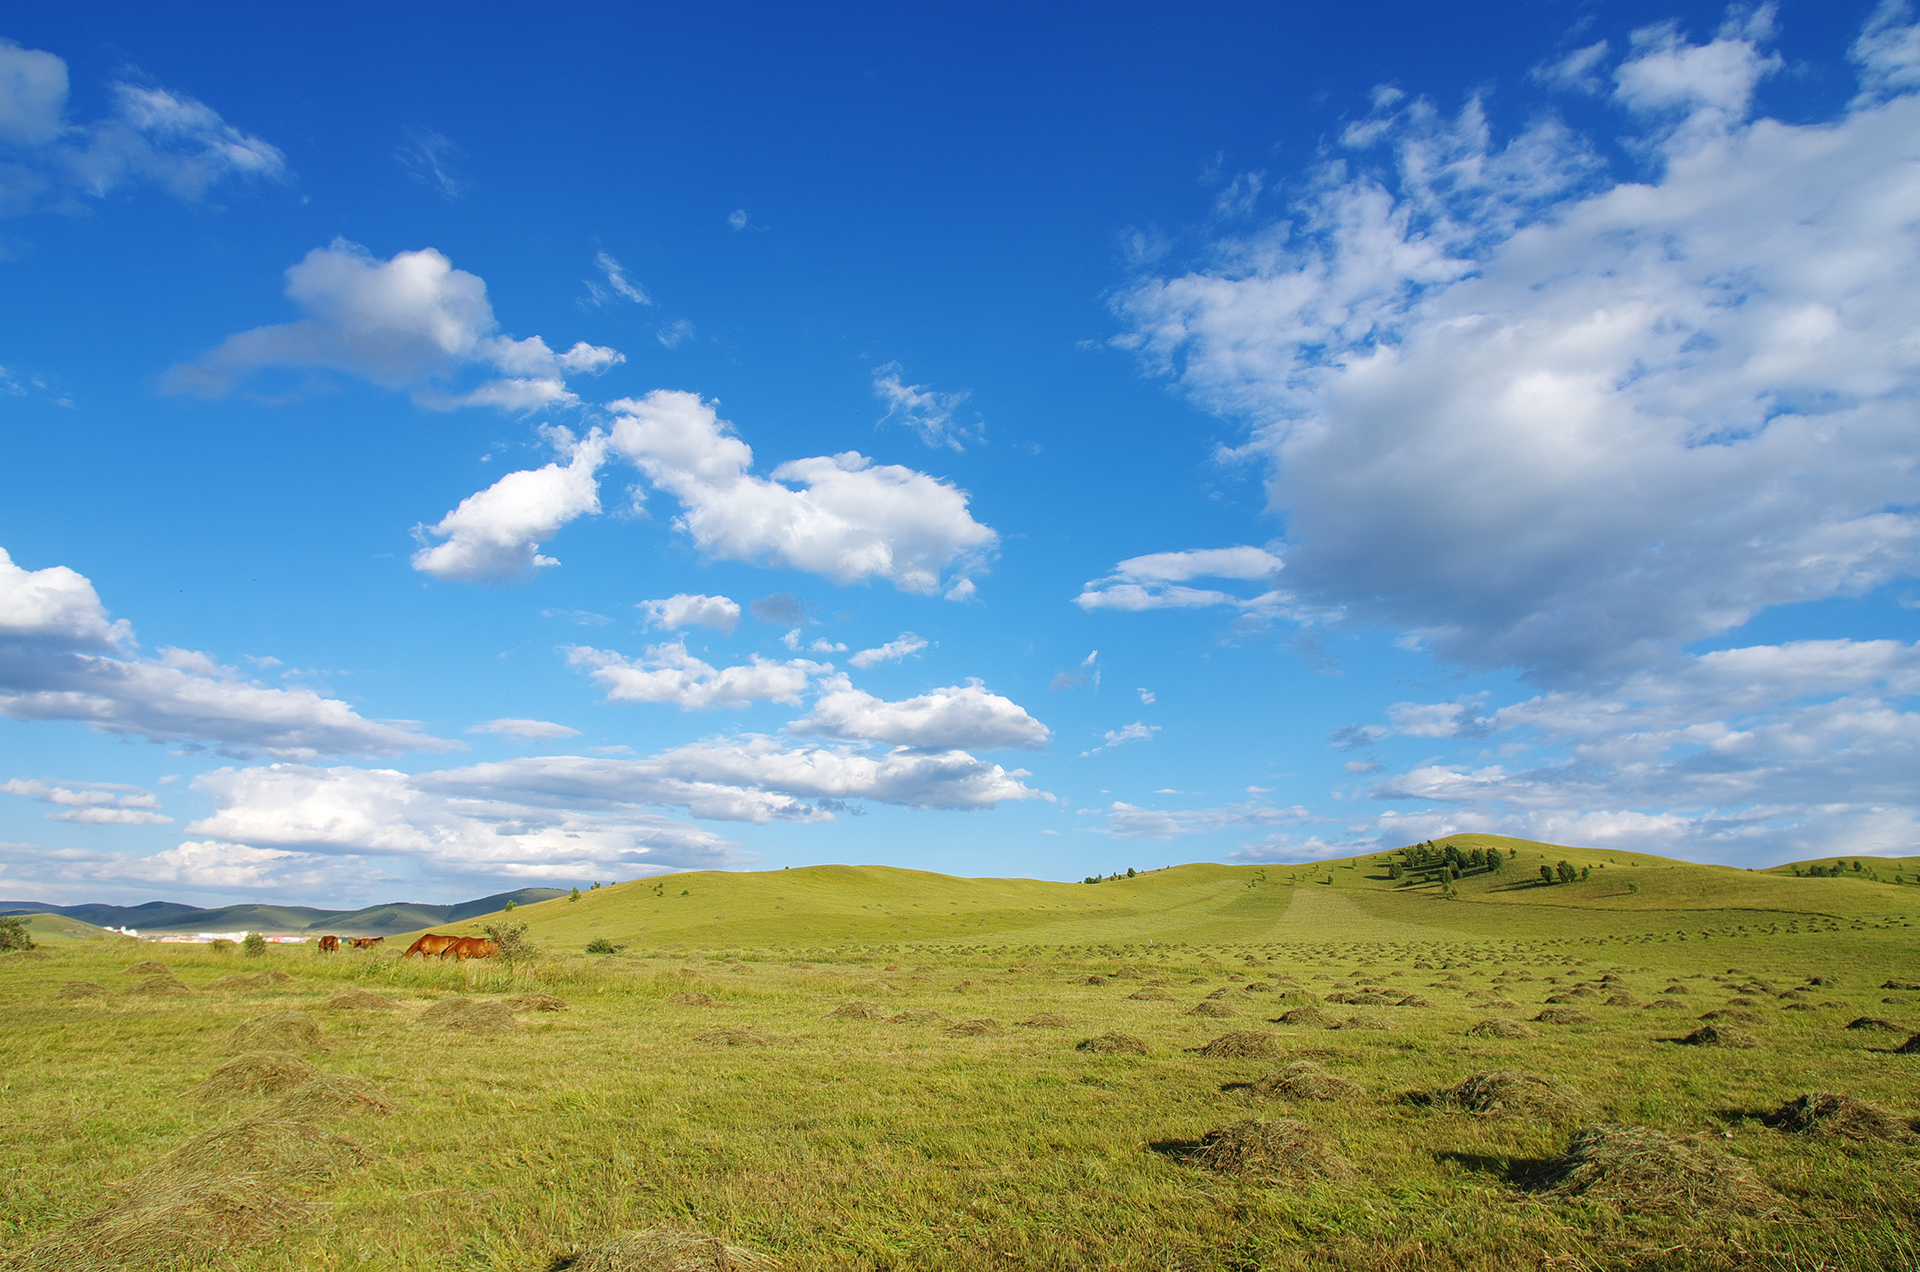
(712, 1075)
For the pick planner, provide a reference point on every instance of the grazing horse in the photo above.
(431, 945)
(365, 942)
(472, 947)
(329, 944)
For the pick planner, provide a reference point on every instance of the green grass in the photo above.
(868, 1144)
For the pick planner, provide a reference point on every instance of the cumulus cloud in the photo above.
(955, 718)
(692, 610)
(668, 673)
(849, 519)
(1158, 581)
(903, 646)
(92, 803)
(1546, 419)
(526, 730)
(413, 322)
(62, 658)
(494, 536)
(151, 135)
(1135, 732)
(925, 411)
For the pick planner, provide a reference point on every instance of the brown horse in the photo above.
(431, 945)
(329, 944)
(365, 942)
(472, 947)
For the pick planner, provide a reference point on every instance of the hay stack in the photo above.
(1271, 1150)
(984, 1027)
(81, 989)
(694, 998)
(1500, 1027)
(858, 1011)
(1215, 1010)
(1306, 1017)
(1092, 980)
(1151, 995)
(284, 1031)
(730, 1038)
(256, 1073)
(1114, 1044)
(1719, 1036)
(1910, 1047)
(1045, 1020)
(1241, 1042)
(360, 1000)
(147, 968)
(534, 1001)
(1305, 1080)
(1508, 1093)
(1874, 1022)
(666, 1250)
(333, 1095)
(922, 1017)
(163, 986)
(1364, 1021)
(1643, 1170)
(1829, 1113)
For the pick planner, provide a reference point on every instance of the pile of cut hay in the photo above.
(165, 985)
(922, 1017)
(858, 1011)
(1829, 1113)
(1732, 1013)
(1500, 1027)
(147, 968)
(1305, 1080)
(983, 1027)
(334, 1095)
(284, 1031)
(1092, 980)
(1507, 1093)
(467, 1015)
(254, 1074)
(1716, 1036)
(81, 989)
(238, 982)
(1563, 1016)
(1241, 1042)
(360, 1000)
(1216, 1010)
(1151, 995)
(1045, 1020)
(730, 1038)
(1305, 1017)
(535, 1001)
(694, 998)
(1364, 1021)
(1270, 1150)
(665, 1250)
(1642, 1170)
(1114, 1044)
(1874, 1022)
(1623, 1000)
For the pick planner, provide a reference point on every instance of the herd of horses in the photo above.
(428, 946)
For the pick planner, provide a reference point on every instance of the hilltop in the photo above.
(386, 918)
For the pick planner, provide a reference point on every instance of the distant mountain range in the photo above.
(374, 920)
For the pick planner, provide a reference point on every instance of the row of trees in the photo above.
(1566, 872)
(1446, 862)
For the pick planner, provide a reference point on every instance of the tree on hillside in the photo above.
(1495, 862)
(1566, 871)
(14, 936)
(1546, 873)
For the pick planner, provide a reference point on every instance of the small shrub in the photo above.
(511, 938)
(13, 936)
(255, 946)
(601, 945)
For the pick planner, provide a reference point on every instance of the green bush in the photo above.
(254, 946)
(601, 945)
(14, 936)
(514, 947)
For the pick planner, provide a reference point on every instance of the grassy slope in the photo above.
(48, 929)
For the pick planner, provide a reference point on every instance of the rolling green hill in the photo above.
(1624, 894)
(58, 929)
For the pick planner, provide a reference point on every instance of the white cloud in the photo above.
(1577, 71)
(668, 673)
(904, 646)
(737, 219)
(93, 803)
(692, 610)
(617, 286)
(413, 322)
(529, 730)
(1546, 420)
(955, 718)
(1135, 732)
(1125, 821)
(494, 536)
(61, 658)
(152, 135)
(1154, 581)
(850, 520)
(673, 333)
(925, 411)
(1888, 51)
(1146, 697)
(428, 159)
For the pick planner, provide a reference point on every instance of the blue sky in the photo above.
(445, 455)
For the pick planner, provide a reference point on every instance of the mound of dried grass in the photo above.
(535, 1001)
(665, 1250)
(283, 1031)
(1305, 1080)
(983, 1027)
(81, 989)
(1306, 1017)
(334, 1095)
(1874, 1022)
(1563, 1016)
(1092, 980)
(254, 1074)
(1510, 1093)
(238, 982)
(1623, 1000)
(1216, 1010)
(1044, 1020)
(1644, 1170)
(1413, 1000)
(1500, 1027)
(922, 1017)
(467, 1015)
(361, 1000)
(165, 986)
(1284, 1149)
(1364, 1021)
(1830, 1113)
(730, 1038)
(1114, 1044)
(147, 968)
(1151, 995)
(1733, 1014)
(694, 998)
(858, 1011)
(1719, 1036)
(1241, 1042)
